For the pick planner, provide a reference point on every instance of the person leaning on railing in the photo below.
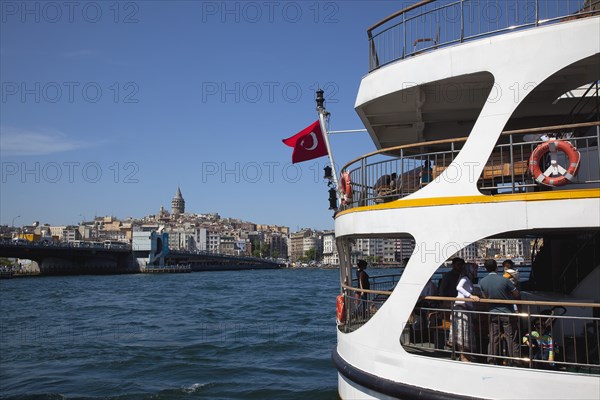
(495, 286)
(463, 324)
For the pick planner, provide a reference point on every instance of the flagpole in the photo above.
(322, 113)
(348, 131)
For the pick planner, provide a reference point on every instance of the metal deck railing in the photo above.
(393, 173)
(557, 336)
(547, 335)
(431, 24)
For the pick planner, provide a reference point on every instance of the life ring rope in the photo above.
(555, 175)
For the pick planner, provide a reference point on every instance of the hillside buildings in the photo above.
(211, 233)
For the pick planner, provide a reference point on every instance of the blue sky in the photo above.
(107, 107)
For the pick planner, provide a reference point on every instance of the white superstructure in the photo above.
(450, 113)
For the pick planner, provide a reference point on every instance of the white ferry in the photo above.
(486, 118)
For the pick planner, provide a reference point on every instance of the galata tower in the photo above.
(178, 203)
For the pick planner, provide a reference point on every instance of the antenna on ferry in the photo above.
(323, 113)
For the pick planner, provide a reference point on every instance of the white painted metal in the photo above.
(439, 231)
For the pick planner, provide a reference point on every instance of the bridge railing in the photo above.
(220, 255)
(66, 245)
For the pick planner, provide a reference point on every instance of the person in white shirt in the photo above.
(462, 321)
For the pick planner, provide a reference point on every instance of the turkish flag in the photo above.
(307, 144)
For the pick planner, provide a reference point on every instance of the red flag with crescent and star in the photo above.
(308, 143)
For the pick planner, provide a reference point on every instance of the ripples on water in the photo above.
(217, 335)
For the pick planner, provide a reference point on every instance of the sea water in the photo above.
(215, 335)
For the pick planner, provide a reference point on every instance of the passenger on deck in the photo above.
(495, 286)
(512, 275)
(363, 283)
(463, 321)
(430, 289)
(451, 278)
(385, 185)
(447, 288)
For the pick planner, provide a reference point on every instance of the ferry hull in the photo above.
(354, 383)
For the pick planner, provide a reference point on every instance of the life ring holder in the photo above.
(346, 188)
(555, 175)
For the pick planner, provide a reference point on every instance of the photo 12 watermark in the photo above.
(69, 172)
(265, 92)
(54, 12)
(261, 172)
(69, 92)
(253, 12)
(455, 93)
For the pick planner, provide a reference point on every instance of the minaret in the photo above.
(178, 203)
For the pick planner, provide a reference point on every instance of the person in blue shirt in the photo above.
(495, 286)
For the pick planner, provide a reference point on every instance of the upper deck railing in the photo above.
(392, 173)
(431, 24)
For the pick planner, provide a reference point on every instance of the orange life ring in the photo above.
(341, 309)
(555, 175)
(346, 188)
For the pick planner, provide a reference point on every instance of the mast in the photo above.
(322, 114)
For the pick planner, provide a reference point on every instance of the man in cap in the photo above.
(495, 286)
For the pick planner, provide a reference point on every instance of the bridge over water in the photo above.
(67, 259)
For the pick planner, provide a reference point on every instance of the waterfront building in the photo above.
(296, 249)
(141, 241)
(369, 249)
(256, 238)
(312, 242)
(278, 244)
(468, 253)
(227, 245)
(57, 231)
(106, 228)
(71, 234)
(504, 248)
(214, 242)
(201, 238)
(404, 249)
(513, 248)
(185, 237)
(303, 241)
(177, 238)
(330, 254)
(377, 250)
